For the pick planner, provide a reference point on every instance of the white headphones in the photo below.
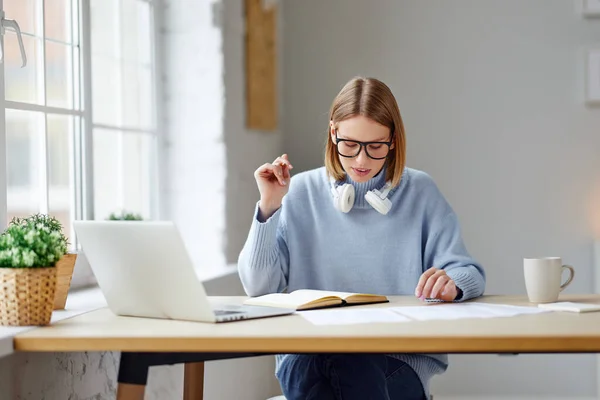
(343, 197)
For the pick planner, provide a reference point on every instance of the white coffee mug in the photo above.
(543, 278)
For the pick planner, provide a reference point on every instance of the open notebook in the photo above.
(308, 299)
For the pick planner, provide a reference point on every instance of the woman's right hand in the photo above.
(273, 182)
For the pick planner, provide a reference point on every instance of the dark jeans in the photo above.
(348, 377)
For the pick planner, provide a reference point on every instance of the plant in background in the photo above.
(125, 216)
(34, 242)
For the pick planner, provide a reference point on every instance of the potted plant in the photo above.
(65, 265)
(29, 252)
(125, 216)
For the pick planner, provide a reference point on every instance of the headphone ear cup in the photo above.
(345, 198)
(383, 206)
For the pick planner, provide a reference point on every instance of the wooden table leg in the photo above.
(193, 381)
(128, 391)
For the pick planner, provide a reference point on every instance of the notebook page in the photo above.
(288, 300)
(313, 294)
(274, 299)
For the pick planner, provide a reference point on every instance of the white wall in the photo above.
(491, 95)
(246, 149)
(210, 156)
(192, 110)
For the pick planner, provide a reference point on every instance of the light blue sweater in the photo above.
(308, 243)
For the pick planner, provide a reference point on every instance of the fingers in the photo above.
(270, 172)
(279, 174)
(286, 172)
(263, 171)
(283, 161)
(438, 286)
(277, 170)
(431, 281)
(449, 292)
(423, 279)
(281, 167)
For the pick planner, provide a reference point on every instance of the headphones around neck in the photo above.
(343, 197)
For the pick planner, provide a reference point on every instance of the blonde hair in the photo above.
(370, 98)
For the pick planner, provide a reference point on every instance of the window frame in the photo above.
(82, 174)
(3, 165)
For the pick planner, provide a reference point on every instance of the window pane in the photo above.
(59, 79)
(121, 63)
(123, 173)
(22, 84)
(25, 13)
(104, 28)
(58, 20)
(138, 172)
(24, 147)
(135, 31)
(107, 177)
(137, 97)
(60, 154)
(105, 102)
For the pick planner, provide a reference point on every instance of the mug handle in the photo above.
(571, 276)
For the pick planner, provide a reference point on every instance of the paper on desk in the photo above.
(442, 311)
(449, 311)
(350, 316)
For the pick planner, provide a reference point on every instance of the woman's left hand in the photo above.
(435, 284)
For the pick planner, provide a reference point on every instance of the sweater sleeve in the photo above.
(444, 249)
(264, 259)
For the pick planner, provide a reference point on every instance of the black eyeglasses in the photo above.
(351, 148)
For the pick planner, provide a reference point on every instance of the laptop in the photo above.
(143, 269)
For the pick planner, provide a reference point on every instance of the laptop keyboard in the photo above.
(226, 312)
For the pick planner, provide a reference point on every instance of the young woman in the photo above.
(362, 223)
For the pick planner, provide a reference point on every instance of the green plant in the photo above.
(125, 216)
(34, 242)
(44, 220)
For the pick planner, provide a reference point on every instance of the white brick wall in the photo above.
(208, 185)
(246, 149)
(193, 109)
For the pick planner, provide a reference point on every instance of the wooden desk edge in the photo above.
(489, 343)
(463, 344)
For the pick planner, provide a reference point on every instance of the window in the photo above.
(124, 129)
(77, 123)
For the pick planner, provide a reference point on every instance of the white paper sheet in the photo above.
(350, 316)
(442, 311)
(449, 311)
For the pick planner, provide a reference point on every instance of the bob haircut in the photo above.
(370, 98)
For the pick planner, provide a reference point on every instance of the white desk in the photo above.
(101, 330)
(86, 300)
(78, 302)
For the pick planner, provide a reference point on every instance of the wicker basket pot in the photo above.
(64, 273)
(27, 296)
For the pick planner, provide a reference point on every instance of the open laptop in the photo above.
(143, 269)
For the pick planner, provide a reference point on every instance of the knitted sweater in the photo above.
(309, 244)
